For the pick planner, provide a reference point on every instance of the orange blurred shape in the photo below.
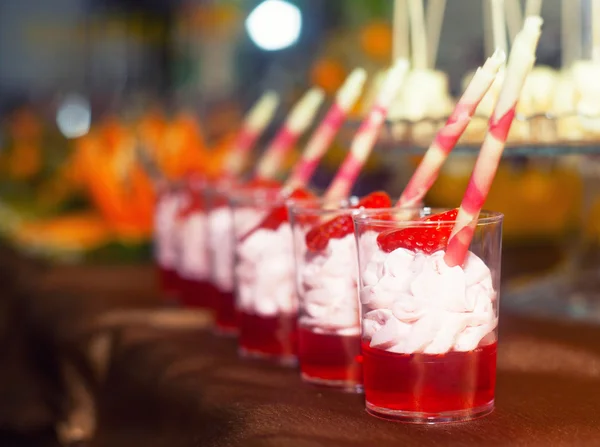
(86, 230)
(329, 74)
(24, 161)
(24, 124)
(376, 40)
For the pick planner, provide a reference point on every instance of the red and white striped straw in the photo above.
(367, 134)
(447, 137)
(297, 122)
(256, 121)
(520, 63)
(323, 136)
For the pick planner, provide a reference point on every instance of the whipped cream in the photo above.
(165, 216)
(414, 302)
(265, 270)
(191, 244)
(327, 287)
(220, 228)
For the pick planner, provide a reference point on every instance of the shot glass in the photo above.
(191, 244)
(165, 250)
(429, 331)
(221, 250)
(326, 282)
(264, 277)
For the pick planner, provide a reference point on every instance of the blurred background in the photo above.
(80, 80)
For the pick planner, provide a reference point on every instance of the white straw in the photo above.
(533, 8)
(514, 18)
(401, 37)
(571, 32)
(433, 25)
(499, 25)
(417, 33)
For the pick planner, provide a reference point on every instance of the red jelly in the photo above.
(451, 386)
(197, 294)
(330, 359)
(226, 313)
(168, 280)
(269, 337)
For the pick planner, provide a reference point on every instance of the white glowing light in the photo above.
(74, 116)
(274, 25)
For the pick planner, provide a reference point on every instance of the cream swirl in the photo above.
(165, 217)
(191, 235)
(327, 287)
(416, 303)
(220, 228)
(265, 271)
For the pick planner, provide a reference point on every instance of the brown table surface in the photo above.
(187, 387)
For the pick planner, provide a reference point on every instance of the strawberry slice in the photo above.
(279, 214)
(318, 238)
(259, 183)
(425, 239)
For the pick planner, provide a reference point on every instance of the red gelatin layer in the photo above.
(168, 280)
(428, 383)
(226, 318)
(330, 358)
(268, 336)
(197, 294)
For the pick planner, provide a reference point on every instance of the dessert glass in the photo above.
(221, 250)
(191, 244)
(165, 252)
(264, 278)
(429, 332)
(326, 283)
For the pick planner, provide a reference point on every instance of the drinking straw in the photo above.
(324, 135)
(417, 34)
(571, 32)
(401, 40)
(256, 121)
(533, 8)
(514, 18)
(365, 137)
(596, 31)
(434, 22)
(446, 138)
(297, 122)
(499, 25)
(520, 63)
(488, 38)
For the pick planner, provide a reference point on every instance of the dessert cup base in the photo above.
(415, 417)
(290, 361)
(340, 385)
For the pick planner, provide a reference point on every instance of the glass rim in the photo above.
(486, 217)
(260, 196)
(316, 206)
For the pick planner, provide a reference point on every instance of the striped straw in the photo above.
(256, 121)
(297, 122)
(447, 137)
(520, 63)
(367, 134)
(323, 137)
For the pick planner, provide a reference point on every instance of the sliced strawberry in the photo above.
(279, 214)
(425, 239)
(259, 183)
(338, 227)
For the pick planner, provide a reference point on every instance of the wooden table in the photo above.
(157, 384)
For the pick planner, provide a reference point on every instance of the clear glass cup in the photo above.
(168, 203)
(429, 332)
(326, 282)
(264, 278)
(221, 249)
(193, 268)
